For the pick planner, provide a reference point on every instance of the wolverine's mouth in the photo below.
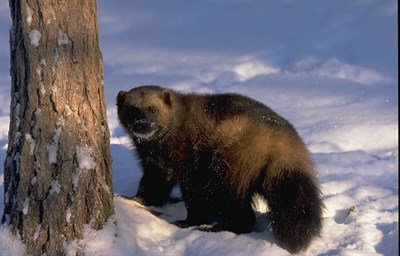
(143, 129)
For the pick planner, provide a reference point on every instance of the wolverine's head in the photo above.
(145, 111)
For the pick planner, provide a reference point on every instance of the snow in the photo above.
(29, 13)
(75, 178)
(18, 121)
(85, 159)
(53, 147)
(37, 232)
(329, 67)
(38, 112)
(52, 152)
(68, 215)
(33, 180)
(34, 37)
(67, 110)
(335, 68)
(95, 242)
(144, 136)
(85, 162)
(8, 244)
(62, 38)
(40, 66)
(249, 70)
(4, 128)
(26, 206)
(32, 143)
(55, 187)
(54, 67)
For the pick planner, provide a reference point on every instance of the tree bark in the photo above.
(57, 172)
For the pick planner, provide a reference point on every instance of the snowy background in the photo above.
(330, 67)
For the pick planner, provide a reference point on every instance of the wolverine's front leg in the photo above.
(155, 186)
(197, 201)
(196, 216)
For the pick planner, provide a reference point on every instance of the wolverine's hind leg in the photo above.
(237, 216)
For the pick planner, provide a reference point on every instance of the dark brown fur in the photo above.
(222, 149)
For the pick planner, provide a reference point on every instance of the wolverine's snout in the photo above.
(142, 126)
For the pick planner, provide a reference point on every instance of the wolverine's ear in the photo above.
(121, 98)
(167, 97)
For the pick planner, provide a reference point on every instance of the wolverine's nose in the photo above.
(142, 126)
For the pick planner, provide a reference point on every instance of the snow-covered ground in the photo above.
(330, 67)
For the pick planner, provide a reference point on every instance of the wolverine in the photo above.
(222, 149)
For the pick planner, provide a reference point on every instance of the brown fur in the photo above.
(222, 149)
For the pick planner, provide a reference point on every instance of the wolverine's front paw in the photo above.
(210, 228)
(201, 227)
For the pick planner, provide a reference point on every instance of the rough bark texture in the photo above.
(57, 173)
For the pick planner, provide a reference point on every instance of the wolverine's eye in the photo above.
(132, 111)
(152, 110)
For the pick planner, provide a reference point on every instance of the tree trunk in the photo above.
(57, 173)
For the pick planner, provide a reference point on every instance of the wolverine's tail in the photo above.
(296, 208)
